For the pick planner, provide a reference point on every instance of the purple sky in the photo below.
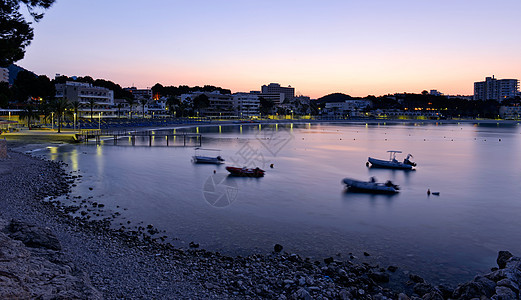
(318, 47)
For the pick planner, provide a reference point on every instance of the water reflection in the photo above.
(301, 203)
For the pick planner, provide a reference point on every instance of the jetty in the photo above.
(171, 139)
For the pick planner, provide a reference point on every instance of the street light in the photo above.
(52, 121)
(99, 121)
(74, 122)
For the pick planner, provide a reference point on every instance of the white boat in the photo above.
(204, 156)
(392, 163)
(371, 186)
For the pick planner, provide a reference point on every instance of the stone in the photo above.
(422, 288)
(379, 277)
(416, 279)
(502, 258)
(302, 293)
(33, 236)
(392, 268)
(504, 293)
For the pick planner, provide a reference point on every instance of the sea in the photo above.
(301, 202)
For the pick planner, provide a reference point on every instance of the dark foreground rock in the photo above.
(39, 273)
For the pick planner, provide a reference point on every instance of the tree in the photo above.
(119, 106)
(131, 102)
(143, 103)
(15, 32)
(92, 102)
(60, 105)
(5, 94)
(266, 105)
(172, 103)
(201, 102)
(29, 113)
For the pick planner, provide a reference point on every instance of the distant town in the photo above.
(29, 99)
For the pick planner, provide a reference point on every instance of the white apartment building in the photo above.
(348, 107)
(84, 93)
(277, 93)
(4, 75)
(221, 105)
(510, 112)
(246, 104)
(140, 93)
(496, 89)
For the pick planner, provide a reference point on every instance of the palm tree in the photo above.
(75, 105)
(143, 103)
(29, 113)
(172, 103)
(60, 106)
(131, 102)
(200, 102)
(119, 106)
(92, 102)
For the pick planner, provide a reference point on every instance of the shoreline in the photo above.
(210, 272)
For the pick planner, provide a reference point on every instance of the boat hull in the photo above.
(244, 172)
(369, 187)
(207, 160)
(378, 163)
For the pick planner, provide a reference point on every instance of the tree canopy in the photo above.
(15, 32)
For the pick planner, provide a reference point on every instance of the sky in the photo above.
(360, 48)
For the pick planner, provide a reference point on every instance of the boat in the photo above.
(245, 172)
(203, 156)
(392, 163)
(371, 186)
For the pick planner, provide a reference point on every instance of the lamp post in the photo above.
(99, 121)
(74, 122)
(52, 121)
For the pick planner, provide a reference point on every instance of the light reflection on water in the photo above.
(301, 204)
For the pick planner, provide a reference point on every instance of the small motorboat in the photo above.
(392, 163)
(245, 172)
(371, 186)
(204, 156)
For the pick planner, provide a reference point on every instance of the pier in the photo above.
(171, 139)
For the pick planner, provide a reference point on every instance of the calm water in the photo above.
(301, 204)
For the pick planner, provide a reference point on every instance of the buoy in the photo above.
(271, 166)
(214, 171)
(428, 192)
(367, 164)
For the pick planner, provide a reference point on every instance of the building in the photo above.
(85, 93)
(510, 112)
(140, 93)
(277, 93)
(246, 104)
(496, 89)
(4, 75)
(347, 108)
(435, 93)
(220, 105)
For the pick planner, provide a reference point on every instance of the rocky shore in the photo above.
(47, 252)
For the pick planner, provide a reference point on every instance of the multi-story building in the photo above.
(85, 93)
(140, 93)
(496, 89)
(246, 104)
(348, 107)
(510, 112)
(277, 93)
(219, 105)
(4, 75)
